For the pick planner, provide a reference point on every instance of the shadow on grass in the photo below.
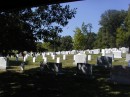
(14, 66)
(16, 63)
(33, 83)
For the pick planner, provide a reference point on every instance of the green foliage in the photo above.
(21, 28)
(15, 31)
(47, 46)
(121, 38)
(84, 38)
(110, 21)
(66, 43)
(40, 47)
(79, 39)
(127, 27)
(84, 28)
(91, 38)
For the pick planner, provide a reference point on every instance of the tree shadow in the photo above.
(14, 65)
(34, 83)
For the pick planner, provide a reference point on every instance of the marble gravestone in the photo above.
(120, 74)
(80, 58)
(110, 55)
(3, 63)
(127, 57)
(54, 67)
(117, 54)
(84, 68)
(104, 61)
(89, 58)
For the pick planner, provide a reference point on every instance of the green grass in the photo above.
(65, 63)
(32, 83)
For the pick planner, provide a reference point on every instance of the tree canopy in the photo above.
(20, 29)
(66, 43)
(79, 39)
(110, 21)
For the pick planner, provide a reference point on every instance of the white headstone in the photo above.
(89, 58)
(64, 57)
(24, 58)
(74, 57)
(80, 58)
(43, 55)
(103, 52)
(96, 51)
(53, 57)
(3, 63)
(58, 60)
(34, 59)
(45, 59)
(117, 54)
(127, 57)
(17, 56)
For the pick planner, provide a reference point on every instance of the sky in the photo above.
(90, 11)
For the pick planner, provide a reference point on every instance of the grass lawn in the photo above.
(32, 83)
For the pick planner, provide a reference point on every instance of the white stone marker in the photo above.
(117, 54)
(64, 57)
(74, 57)
(80, 58)
(103, 52)
(89, 58)
(45, 59)
(58, 60)
(3, 63)
(34, 59)
(53, 57)
(24, 58)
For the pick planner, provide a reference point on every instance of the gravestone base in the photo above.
(104, 61)
(101, 71)
(84, 69)
(54, 67)
(120, 74)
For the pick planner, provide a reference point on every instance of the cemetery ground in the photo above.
(33, 83)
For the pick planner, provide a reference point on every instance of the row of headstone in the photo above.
(101, 60)
(43, 57)
(118, 73)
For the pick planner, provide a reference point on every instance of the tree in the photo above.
(47, 46)
(86, 29)
(40, 47)
(127, 27)
(66, 43)
(91, 38)
(20, 29)
(110, 21)
(79, 40)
